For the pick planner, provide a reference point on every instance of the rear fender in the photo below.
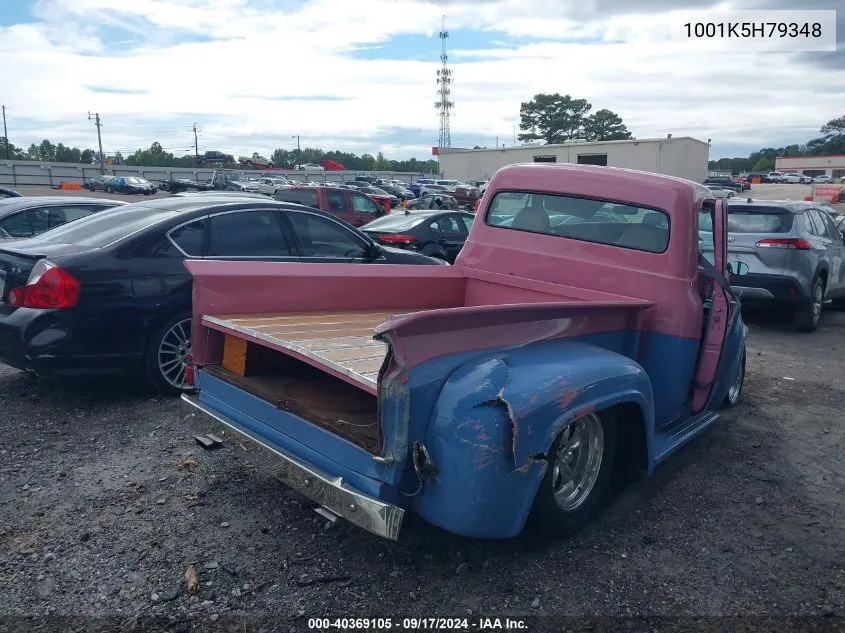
(496, 418)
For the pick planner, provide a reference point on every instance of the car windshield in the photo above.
(396, 222)
(106, 227)
(136, 181)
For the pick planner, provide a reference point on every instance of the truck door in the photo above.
(721, 307)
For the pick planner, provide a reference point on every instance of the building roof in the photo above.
(532, 146)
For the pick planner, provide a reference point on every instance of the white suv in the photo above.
(269, 186)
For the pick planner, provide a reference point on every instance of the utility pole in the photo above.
(5, 133)
(196, 144)
(298, 151)
(96, 118)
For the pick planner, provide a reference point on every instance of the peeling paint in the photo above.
(565, 400)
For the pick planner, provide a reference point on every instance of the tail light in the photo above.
(48, 287)
(189, 370)
(397, 239)
(794, 243)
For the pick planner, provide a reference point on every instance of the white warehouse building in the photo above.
(680, 156)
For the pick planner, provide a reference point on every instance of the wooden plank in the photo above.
(234, 354)
(312, 335)
(354, 353)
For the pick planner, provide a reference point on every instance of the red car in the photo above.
(351, 206)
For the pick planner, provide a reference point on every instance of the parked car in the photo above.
(764, 178)
(32, 215)
(350, 205)
(130, 185)
(506, 391)
(98, 182)
(5, 192)
(775, 176)
(111, 292)
(270, 185)
(400, 193)
(434, 201)
(213, 157)
(436, 234)
(786, 253)
(311, 167)
(794, 179)
(434, 188)
(823, 180)
(256, 160)
(721, 192)
(466, 196)
(380, 196)
(725, 182)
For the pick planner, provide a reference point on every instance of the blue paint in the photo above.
(487, 477)
(292, 434)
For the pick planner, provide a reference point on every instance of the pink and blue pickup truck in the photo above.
(580, 331)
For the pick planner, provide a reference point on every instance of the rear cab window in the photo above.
(584, 219)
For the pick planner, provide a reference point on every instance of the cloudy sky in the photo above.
(359, 75)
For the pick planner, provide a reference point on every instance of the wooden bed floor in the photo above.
(340, 340)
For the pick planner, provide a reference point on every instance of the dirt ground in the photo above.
(105, 501)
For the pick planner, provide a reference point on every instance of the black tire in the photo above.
(808, 315)
(157, 349)
(109, 190)
(547, 515)
(734, 396)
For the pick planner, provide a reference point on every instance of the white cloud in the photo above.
(239, 85)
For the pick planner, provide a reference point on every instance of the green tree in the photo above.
(834, 129)
(605, 125)
(553, 118)
(381, 164)
(764, 165)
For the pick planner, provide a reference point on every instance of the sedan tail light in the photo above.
(397, 239)
(794, 243)
(48, 287)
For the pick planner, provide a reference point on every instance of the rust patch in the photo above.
(565, 400)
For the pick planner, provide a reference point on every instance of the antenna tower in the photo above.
(444, 80)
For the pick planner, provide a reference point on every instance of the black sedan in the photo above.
(29, 216)
(438, 234)
(5, 192)
(110, 292)
(130, 185)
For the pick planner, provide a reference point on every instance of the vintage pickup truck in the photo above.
(580, 330)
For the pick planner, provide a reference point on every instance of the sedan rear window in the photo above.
(759, 220)
(106, 227)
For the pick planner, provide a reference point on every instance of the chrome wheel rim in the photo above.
(817, 303)
(577, 462)
(733, 392)
(173, 353)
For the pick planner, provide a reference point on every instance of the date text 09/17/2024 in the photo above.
(418, 624)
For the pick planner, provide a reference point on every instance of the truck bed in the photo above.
(340, 342)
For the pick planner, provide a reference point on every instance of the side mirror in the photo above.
(376, 251)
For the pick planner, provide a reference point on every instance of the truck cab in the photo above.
(580, 329)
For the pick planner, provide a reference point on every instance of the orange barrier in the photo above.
(755, 180)
(826, 193)
(70, 186)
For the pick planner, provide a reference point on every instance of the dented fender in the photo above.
(496, 418)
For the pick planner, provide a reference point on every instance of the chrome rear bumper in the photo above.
(331, 492)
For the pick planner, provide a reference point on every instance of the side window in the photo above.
(706, 241)
(189, 238)
(832, 233)
(362, 204)
(466, 222)
(247, 234)
(76, 213)
(322, 237)
(812, 223)
(445, 224)
(337, 201)
(45, 218)
(17, 225)
(307, 197)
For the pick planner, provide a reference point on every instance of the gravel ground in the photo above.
(105, 501)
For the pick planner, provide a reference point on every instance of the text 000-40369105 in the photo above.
(800, 30)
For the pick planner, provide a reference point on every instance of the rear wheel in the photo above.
(735, 392)
(167, 354)
(109, 190)
(808, 315)
(578, 475)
